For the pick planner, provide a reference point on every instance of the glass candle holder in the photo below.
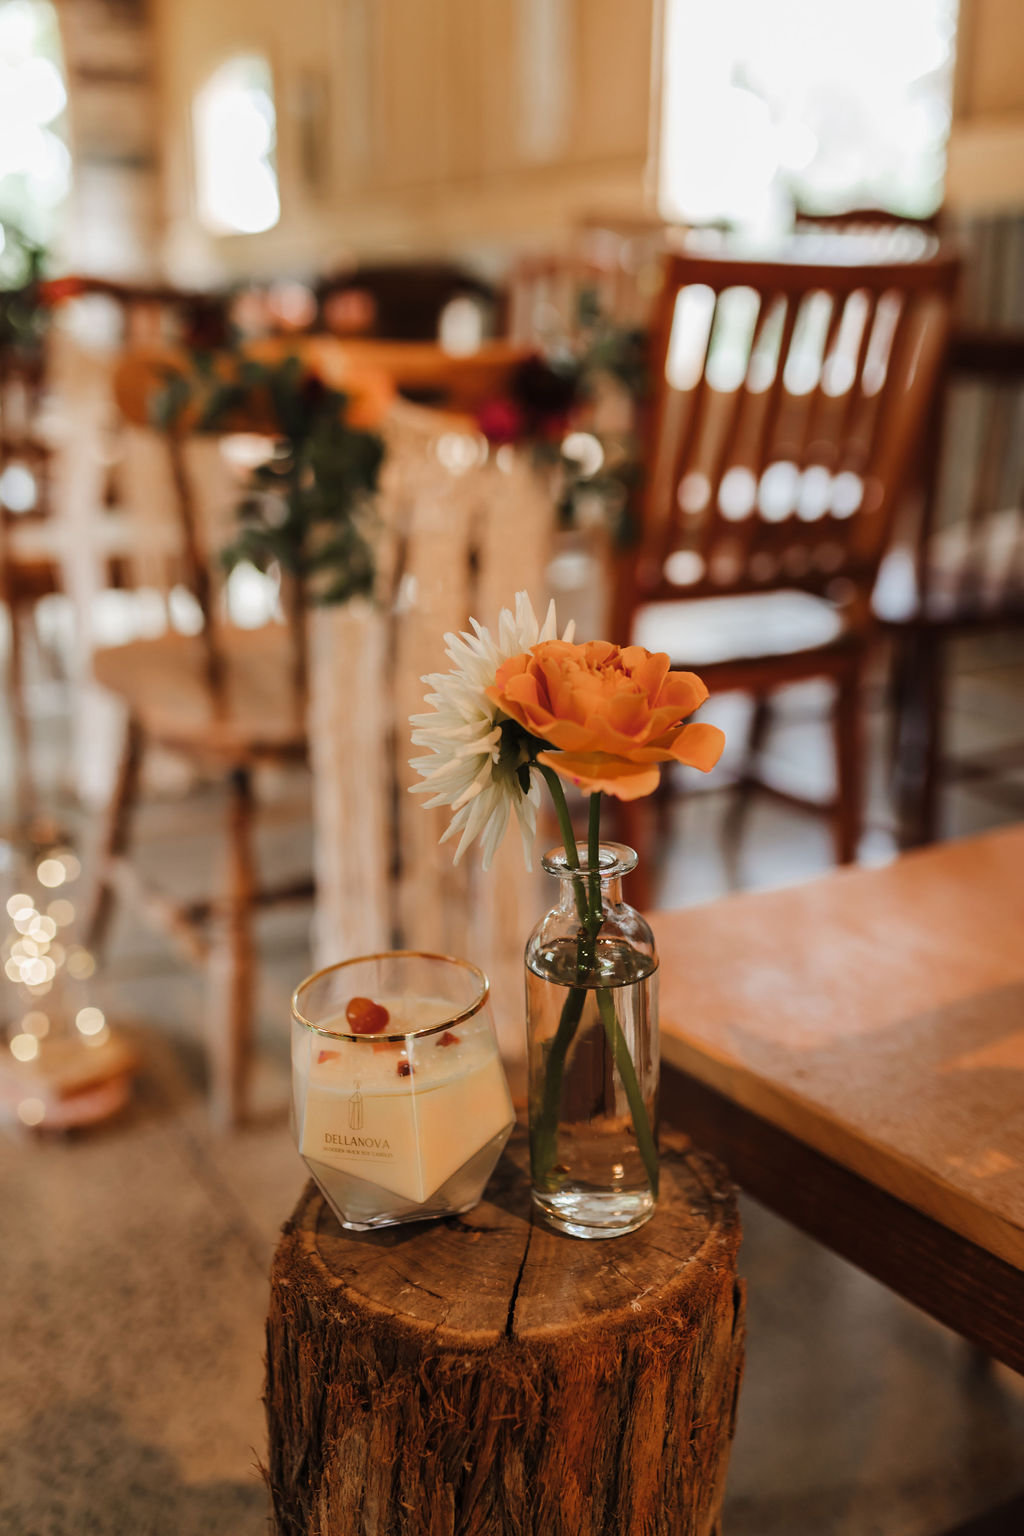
(400, 1105)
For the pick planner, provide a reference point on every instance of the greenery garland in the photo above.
(308, 510)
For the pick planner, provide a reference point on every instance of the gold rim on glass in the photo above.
(393, 954)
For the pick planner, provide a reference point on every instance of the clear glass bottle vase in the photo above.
(592, 1030)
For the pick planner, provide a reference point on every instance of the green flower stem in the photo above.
(594, 861)
(544, 1132)
(544, 1140)
(554, 784)
(624, 1062)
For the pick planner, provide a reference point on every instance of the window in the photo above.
(35, 167)
(235, 132)
(824, 103)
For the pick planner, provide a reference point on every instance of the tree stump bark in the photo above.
(484, 1376)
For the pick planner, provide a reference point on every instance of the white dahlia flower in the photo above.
(482, 772)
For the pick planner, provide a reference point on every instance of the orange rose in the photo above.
(614, 713)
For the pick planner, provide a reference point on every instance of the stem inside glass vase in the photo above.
(589, 908)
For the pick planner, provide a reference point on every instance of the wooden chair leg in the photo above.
(24, 784)
(918, 765)
(900, 700)
(635, 825)
(115, 837)
(933, 666)
(231, 963)
(742, 796)
(849, 748)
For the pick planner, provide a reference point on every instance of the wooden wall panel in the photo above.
(411, 87)
(985, 171)
(440, 132)
(613, 79)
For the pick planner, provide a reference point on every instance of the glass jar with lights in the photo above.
(60, 1064)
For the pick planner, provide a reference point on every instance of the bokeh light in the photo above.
(89, 1021)
(31, 1111)
(51, 873)
(81, 964)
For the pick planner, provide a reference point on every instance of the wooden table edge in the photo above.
(843, 1143)
(968, 1288)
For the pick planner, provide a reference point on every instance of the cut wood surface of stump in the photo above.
(484, 1376)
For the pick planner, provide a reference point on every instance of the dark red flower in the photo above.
(56, 290)
(501, 421)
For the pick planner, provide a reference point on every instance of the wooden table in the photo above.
(853, 1050)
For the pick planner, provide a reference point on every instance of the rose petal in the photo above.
(615, 776)
(699, 745)
(682, 691)
(602, 705)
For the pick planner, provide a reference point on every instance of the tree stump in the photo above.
(484, 1376)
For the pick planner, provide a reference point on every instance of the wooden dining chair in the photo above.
(549, 294)
(869, 219)
(150, 314)
(28, 570)
(788, 402)
(226, 698)
(966, 576)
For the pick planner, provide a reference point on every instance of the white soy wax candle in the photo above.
(400, 1103)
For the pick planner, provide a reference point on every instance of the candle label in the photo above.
(370, 1135)
(411, 1137)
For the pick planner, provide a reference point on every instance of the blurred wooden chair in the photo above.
(548, 294)
(635, 246)
(868, 234)
(226, 698)
(29, 570)
(966, 576)
(789, 401)
(151, 314)
(865, 220)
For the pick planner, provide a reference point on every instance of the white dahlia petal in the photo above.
(462, 734)
(495, 831)
(482, 812)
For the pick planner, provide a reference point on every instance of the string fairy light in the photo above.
(41, 961)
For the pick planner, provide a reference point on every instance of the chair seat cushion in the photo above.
(698, 632)
(164, 684)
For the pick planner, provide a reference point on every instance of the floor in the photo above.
(134, 1258)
